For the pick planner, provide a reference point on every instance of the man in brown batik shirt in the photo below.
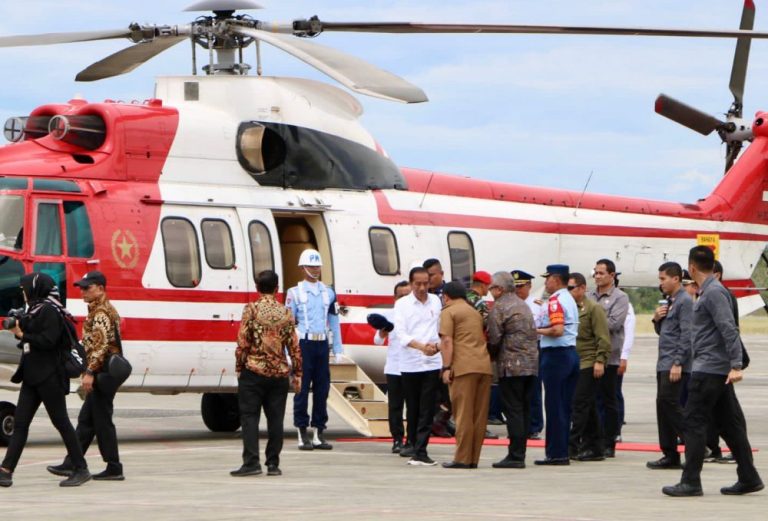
(265, 374)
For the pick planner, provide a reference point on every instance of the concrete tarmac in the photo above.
(177, 470)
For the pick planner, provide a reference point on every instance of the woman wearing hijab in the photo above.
(41, 374)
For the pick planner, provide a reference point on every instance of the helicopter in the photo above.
(182, 198)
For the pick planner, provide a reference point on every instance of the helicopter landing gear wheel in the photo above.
(220, 412)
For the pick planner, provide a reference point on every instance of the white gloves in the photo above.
(338, 358)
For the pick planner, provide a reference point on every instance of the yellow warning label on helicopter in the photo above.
(712, 240)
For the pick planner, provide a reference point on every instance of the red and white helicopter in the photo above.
(182, 199)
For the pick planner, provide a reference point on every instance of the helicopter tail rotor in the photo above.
(734, 130)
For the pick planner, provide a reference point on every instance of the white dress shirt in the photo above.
(629, 333)
(418, 321)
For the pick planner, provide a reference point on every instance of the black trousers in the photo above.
(516, 392)
(51, 393)
(607, 387)
(669, 412)
(395, 401)
(586, 430)
(421, 390)
(708, 397)
(255, 392)
(95, 421)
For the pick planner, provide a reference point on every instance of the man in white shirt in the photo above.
(416, 328)
(395, 397)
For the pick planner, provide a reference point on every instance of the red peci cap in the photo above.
(482, 276)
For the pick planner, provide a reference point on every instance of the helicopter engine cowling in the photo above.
(85, 131)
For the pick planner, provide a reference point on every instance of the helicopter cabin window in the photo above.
(261, 248)
(384, 251)
(48, 234)
(217, 241)
(79, 234)
(462, 254)
(11, 221)
(182, 252)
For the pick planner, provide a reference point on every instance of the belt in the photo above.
(317, 337)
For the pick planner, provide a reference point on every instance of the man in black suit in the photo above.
(42, 334)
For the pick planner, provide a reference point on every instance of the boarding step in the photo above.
(370, 409)
(358, 400)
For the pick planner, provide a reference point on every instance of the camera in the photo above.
(13, 317)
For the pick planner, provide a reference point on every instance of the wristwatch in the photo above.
(448, 368)
(89, 371)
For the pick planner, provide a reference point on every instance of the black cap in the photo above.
(521, 277)
(377, 321)
(90, 278)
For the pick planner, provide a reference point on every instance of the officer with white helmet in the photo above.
(317, 317)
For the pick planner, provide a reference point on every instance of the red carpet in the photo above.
(626, 446)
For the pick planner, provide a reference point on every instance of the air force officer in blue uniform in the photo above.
(314, 306)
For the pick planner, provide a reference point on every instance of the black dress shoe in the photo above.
(274, 470)
(109, 475)
(590, 455)
(77, 478)
(6, 478)
(683, 490)
(495, 421)
(473, 465)
(397, 446)
(246, 471)
(740, 488)
(60, 470)
(610, 452)
(509, 464)
(552, 461)
(490, 436)
(407, 451)
(664, 463)
(456, 465)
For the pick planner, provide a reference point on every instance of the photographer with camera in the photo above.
(101, 339)
(42, 334)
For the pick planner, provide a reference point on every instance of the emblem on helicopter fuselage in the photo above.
(125, 249)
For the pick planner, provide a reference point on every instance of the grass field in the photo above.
(754, 324)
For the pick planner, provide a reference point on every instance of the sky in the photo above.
(539, 110)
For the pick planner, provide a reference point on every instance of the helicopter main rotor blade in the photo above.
(223, 5)
(687, 116)
(54, 38)
(741, 58)
(354, 73)
(315, 26)
(127, 59)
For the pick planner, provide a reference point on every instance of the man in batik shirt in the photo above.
(265, 373)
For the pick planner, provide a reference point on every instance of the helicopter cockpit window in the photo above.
(79, 234)
(11, 221)
(48, 235)
(462, 254)
(182, 252)
(259, 148)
